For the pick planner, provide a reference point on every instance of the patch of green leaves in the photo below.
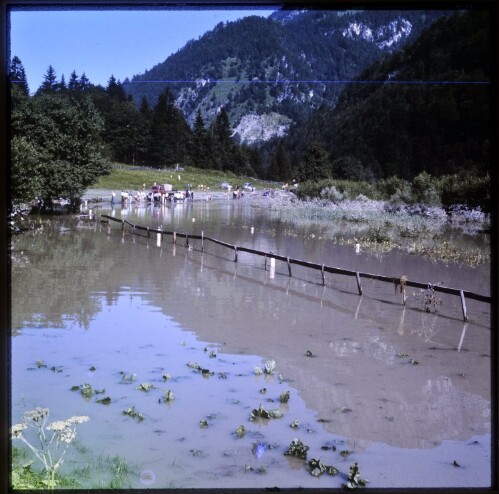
(298, 449)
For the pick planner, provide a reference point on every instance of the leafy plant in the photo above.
(269, 367)
(240, 431)
(145, 387)
(317, 468)
(169, 396)
(127, 379)
(354, 479)
(284, 397)
(131, 412)
(298, 449)
(260, 412)
(106, 400)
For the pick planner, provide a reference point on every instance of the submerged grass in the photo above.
(377, 225)
(112, 472)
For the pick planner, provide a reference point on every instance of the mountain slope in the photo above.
(430, 112)
(278, 69)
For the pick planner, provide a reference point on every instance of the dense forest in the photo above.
(430, 110)
(421, 110)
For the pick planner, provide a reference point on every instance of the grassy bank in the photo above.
(126, 177)
(94, 472)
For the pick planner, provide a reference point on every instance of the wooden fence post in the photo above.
(359, 285)
(322, 272)
(235, 253)
(463, 305)
(174, 238)
(289, 267)
(202, 241)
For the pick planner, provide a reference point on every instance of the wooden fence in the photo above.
(402, 283)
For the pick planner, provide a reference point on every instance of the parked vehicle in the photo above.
(179, 195)
(248, 186)
(224, 185)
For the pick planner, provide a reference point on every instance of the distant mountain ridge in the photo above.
(270, 74)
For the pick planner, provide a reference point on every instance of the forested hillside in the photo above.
(284, 66)
(425, 108)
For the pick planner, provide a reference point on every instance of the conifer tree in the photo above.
(170, 133)
(17, 76)
(222, 143)
(49, 84)
(84, 83)
(62, 84)
(73, 84)
(115, 89)
(280, 166)
(201, 153)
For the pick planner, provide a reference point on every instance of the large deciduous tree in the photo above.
(56, 146)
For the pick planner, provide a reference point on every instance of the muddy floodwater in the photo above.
(405, 394)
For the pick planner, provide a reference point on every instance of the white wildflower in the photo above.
(67, 435)
(17, 430)
(58, 425)
(36, 417)
(79, 419)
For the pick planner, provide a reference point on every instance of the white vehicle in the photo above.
(179, 195)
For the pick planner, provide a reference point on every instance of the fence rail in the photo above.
(402, 283)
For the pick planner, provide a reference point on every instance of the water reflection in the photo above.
(379, 371)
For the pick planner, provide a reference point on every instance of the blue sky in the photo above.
(101, 43)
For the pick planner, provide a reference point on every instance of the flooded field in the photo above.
(405, 394)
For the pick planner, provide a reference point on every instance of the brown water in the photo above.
(85, 294)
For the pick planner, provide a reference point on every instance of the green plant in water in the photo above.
(240, 431)
(127, 379)
(317, 468)
(120, 474)
(298, 449)
(55, 439)
(354, 479)
(131, 412)
(145, 387)
(266, 414)
(169, 396)
(269, 367)
(284, 398)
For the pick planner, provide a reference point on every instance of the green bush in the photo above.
(466, 188)
(425, 189)
(393, 186)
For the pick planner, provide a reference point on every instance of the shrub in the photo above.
(392, 186)
(424, 189)
(333, 194)
(466, 188)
